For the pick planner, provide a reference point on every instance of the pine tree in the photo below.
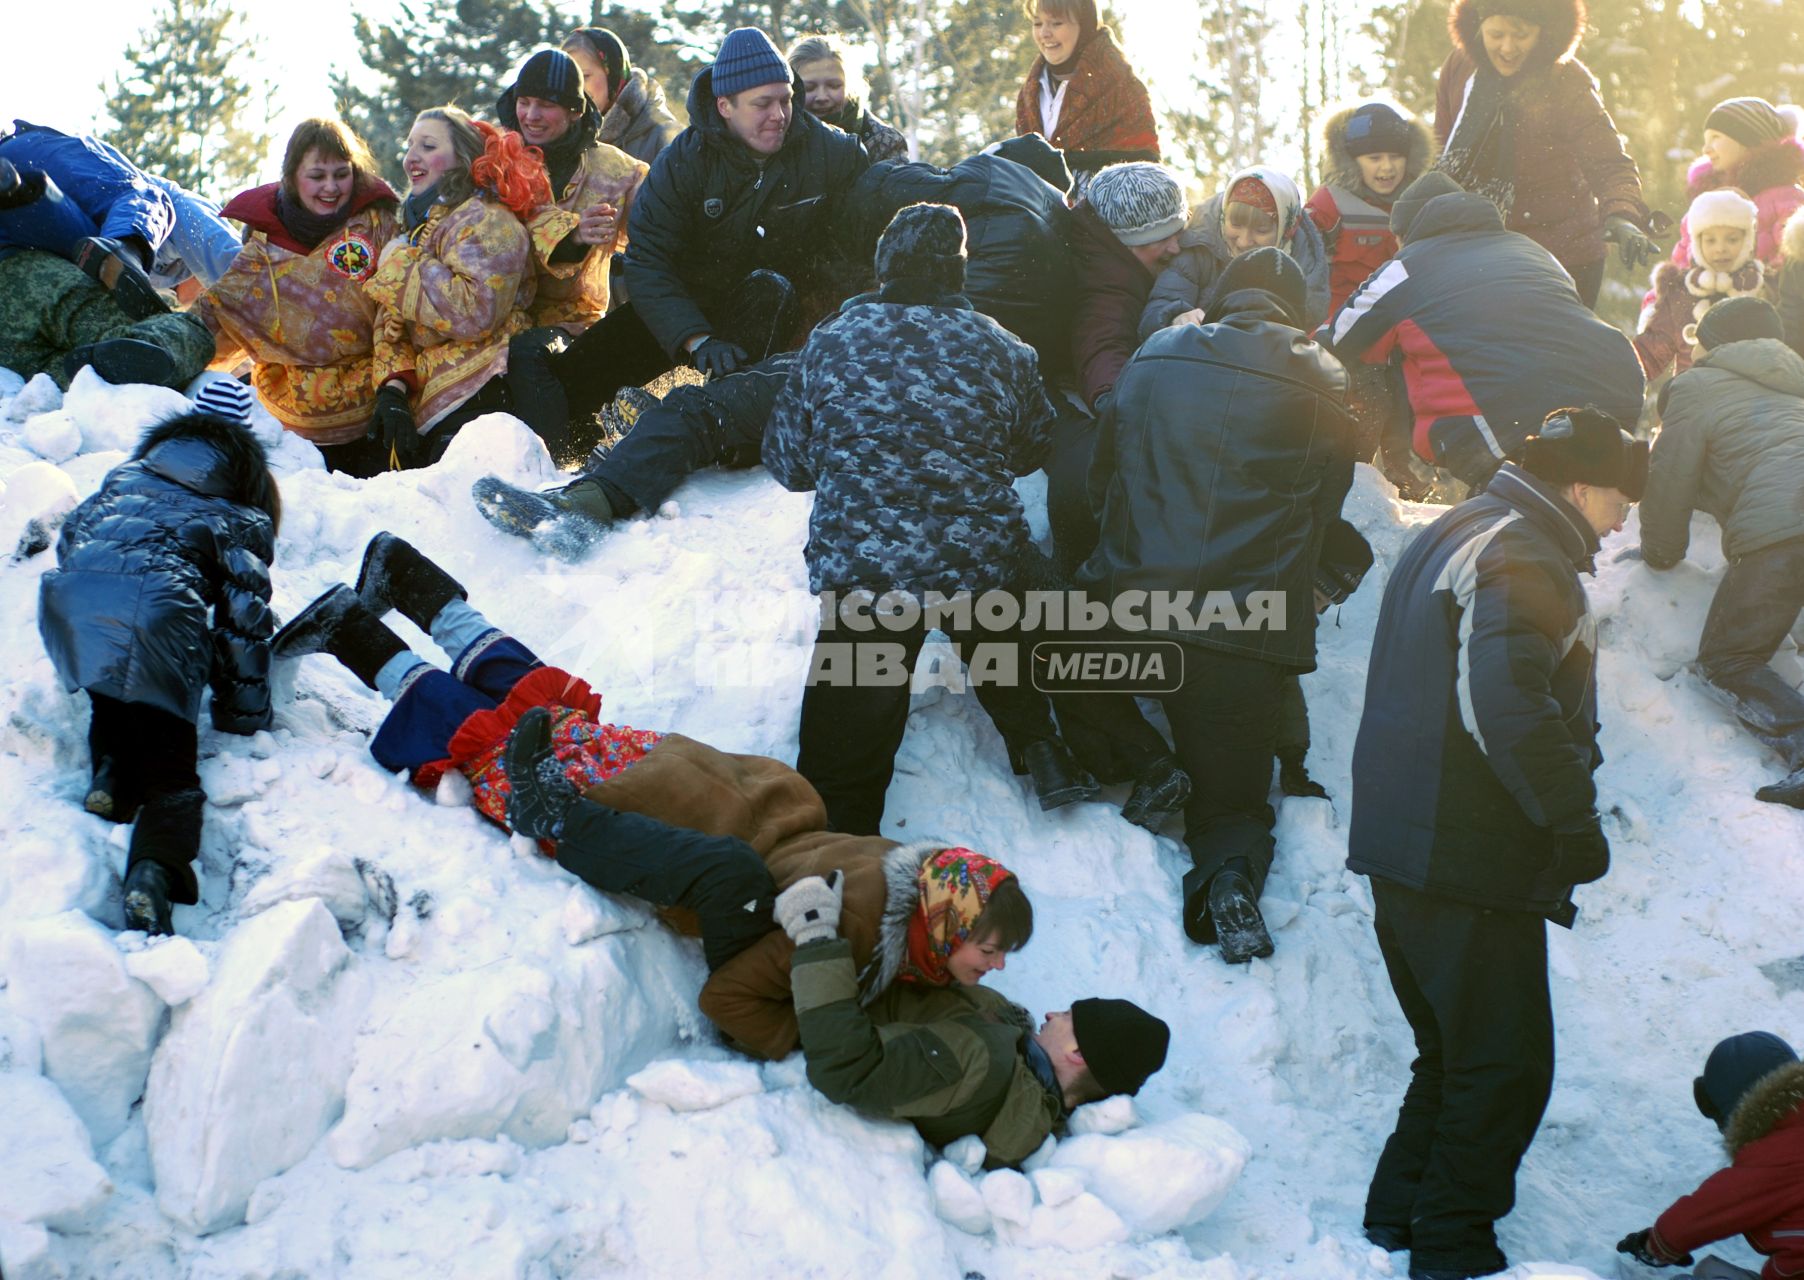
(1228, 128)
(181, 109)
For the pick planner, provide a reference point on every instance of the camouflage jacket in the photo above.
(910, 416)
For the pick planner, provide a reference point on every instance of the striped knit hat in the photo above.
(1750, 121)
(551, 75)
(1142, 203)
(226, 398)
(748, 59)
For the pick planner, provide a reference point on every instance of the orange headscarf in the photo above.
(955, 886)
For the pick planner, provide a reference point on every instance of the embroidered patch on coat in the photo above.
(353, 256)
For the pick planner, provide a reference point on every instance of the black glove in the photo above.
(1630, 241)
(1344, 561)
(1639, 1247)
(716, 357)
(392, 424)
(1582, 855)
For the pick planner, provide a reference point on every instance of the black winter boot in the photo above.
(1161, 790)
(1788, 790)
(120, 270)
(147, 900)
(106, 796)
(1294, 779)
(123, 360)
(540, 796)
(395, 575)
(1239, 928)
(564, 522)
(338, 624)
(1058, 779)
(159, 866)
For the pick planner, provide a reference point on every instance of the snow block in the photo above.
(174, 968)
(1162, 1177)
(25, 1252)
(330, 875)
(40, 395)
(956, 1198)
(253, 1069)
(687, 1085)
(51, 1177)
(115, 417)
(98, 1024)
(38, 492)
(53, 436)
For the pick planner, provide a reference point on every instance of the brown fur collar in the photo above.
(1793, 244)
(1562, 24)
(1778, 163)
(1773, 1098)
(901, 895)
(1341, 169)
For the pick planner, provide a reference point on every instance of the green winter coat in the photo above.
(1731, 443)
(950, 1059)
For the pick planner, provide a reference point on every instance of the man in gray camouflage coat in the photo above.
(910, 416)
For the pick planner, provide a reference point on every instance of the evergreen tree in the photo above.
(1228, 127)
(181, 109)
(669, 56)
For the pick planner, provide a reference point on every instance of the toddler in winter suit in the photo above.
(1753, 1088)
(1721, 225)
(162, 590)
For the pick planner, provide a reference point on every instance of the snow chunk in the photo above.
(275, 1026)
(956, 1198)
(98, 1024)
(331, 875)
(589, 915)
(40, 494)
(1008, 1195)
(115, 417)
(174, 968)
(45, 877)
(1162, 1177)
(966, 1152)
(50, 1170)
(1111, 1115)
(684, 1085)
(1081, 1223)
(11, 384)
(40, 395)
(21, 1048)
(1056, 1186)
(54, 436)
(25, 1252)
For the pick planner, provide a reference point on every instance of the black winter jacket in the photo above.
(1020, 270)
(1220, 462)
(183, 528)
(708, 215)
(1479, 736)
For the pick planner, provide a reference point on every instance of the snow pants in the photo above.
(1755, 607)
(1473, 984)
(53, 307)
(152, 756)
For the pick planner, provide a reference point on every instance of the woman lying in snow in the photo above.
(709, 836)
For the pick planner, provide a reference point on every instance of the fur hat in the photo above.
(1734, 1067)
(1122, 1043)
(1752, 121)
(1738, 320)
(1141, 202)
(1562, 22)
(924, 242)
(1587, 446)
(1270, 270)
(1724, 207)
(748, 60)
(552, 75)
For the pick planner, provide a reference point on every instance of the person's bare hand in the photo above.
(599, 225)
(1192, 316)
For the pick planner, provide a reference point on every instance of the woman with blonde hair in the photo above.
(833, 91)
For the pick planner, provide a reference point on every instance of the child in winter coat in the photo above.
(1754, 147)
(293, 299)
(456, 285)
(1080, 94)
(1753, 1088)
(162, 592)
(1720, 227)
(1259, 207)
(1370, 153)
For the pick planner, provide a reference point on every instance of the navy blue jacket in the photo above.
(183, 529)
(103, 194)
(1479, 736)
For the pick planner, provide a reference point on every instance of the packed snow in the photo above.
(391, 1042)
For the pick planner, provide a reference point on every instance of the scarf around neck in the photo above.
(418, 207)
(562, 156)
(309, 228)
(1481, 152)
(955, 886)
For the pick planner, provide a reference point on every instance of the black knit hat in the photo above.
(1734, 1067)
(1587, 446)
(1269, 269)
(1414, 198)
(607, 47)
(552, 75)
(1122, 1043)
(924, 242)
(1750, 121)
(1737, 320)
(1033, 152)
(1376, 127)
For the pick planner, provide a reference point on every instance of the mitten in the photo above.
(809, 909)
(1583, 854)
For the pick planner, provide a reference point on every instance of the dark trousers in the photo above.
(1074, 525)
(716, 423)
(1292, 730)
(1473, 985)
(418, 728)
(154, 756)
(851, 732)
(1755, 607)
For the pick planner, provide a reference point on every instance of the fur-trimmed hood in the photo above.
(1341, 169)
(1562, 24)
(1778, 163)
(211, 455)
(901, 898)
(1773, 1099)
(1793, 242)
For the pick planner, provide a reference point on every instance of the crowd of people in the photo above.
(1197, 380)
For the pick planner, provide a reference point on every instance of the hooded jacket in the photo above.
(302, 315)
(162, 582)
(1491, 333)
(1220, 462)
(1203, 254)
(1791, 283)
(1479, 735)
(1731, 443)
(639, 121)
(1554, 140)
(710, 214)
(1355, 221)
(1106, 116)
(1761, 1194)
(113, 196)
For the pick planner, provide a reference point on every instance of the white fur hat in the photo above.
(1724, 207)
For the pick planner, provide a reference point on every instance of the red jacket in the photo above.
(1354, 220)
(1761, 1193)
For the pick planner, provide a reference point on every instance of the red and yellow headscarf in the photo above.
(955, 886)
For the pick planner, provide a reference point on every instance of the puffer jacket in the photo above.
(1106, 116)
(449, 301)
(1769, 176)
(181, 531)
(1791, 283)
(1731, 443)
(1554, 140)
(910, 416)
(1355, 221)
(1220, 462)
(710, 214)
(1761, 1194)
(115, 198)
(1203, 253)
(1479, 735)
(302, 315)
(1019, 270)
(639, 121)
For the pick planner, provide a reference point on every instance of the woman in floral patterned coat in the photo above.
(293, 299)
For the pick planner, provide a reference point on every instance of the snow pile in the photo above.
(391, 1042)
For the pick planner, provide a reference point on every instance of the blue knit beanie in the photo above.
(748, 59)
(1734, 1067)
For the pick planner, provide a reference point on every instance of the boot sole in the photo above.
(1067, 795)
(134, 296)
(141, 914)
